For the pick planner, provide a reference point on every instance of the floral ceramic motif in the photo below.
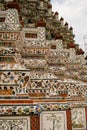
(37, 109)
(53, 120)
(78, 118)
(16, 123)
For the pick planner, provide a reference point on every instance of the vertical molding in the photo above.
(69, 123)
(35, 122)
(86, 116)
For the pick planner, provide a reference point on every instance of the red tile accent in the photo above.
(35, 122)
(69, 124)
(15, 102)
(86, 116)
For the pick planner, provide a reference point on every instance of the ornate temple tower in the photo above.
(43, 78)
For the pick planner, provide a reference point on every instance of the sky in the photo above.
(74, 13)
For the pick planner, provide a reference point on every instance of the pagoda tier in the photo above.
(43, 72)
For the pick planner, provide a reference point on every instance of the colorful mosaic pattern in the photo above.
(69, 123)
(35, 122)
(53, 121)
(12, 16)
(16, 123)
(43, 73)
(78, 118)
(37, 109)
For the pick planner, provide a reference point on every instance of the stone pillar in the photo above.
(49, 1)
(66, 25)
(41, 35)
(71, 30)
(49, 9)
(56, 15)
(41, 3)
(72, 53)
(81, 57)
(41, 31)
(62, 21)
(12, 20)
(59, 44)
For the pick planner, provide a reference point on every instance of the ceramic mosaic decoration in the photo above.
(53, 121)
(15, 123)
(78, 118)
(43, 72)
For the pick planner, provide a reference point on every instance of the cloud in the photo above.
(75, 13)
